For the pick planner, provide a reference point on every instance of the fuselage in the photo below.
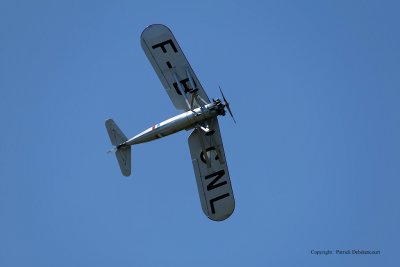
(184, 121)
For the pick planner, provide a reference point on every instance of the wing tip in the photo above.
(152, 27)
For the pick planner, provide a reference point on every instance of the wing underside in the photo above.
(172, 67)
(211, 171)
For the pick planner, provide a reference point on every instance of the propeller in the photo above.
(226, 103)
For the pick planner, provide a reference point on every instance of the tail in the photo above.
(123, 153)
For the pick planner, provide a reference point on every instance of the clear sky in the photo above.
(314, 158)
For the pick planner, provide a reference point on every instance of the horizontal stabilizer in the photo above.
(116, 135)
(124, 160)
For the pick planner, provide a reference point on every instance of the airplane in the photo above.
(199, 115)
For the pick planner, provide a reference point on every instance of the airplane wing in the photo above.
(213, 181)
(172, 67)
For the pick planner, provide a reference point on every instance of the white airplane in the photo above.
(200, 114)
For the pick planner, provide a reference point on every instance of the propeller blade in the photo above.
(226, 103)
(222, 93)
(230, 112)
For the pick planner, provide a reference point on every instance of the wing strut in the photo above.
(194, 91)
(203, 148)
(209, 133)
(181, 89)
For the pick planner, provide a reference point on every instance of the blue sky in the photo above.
(314, 158)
